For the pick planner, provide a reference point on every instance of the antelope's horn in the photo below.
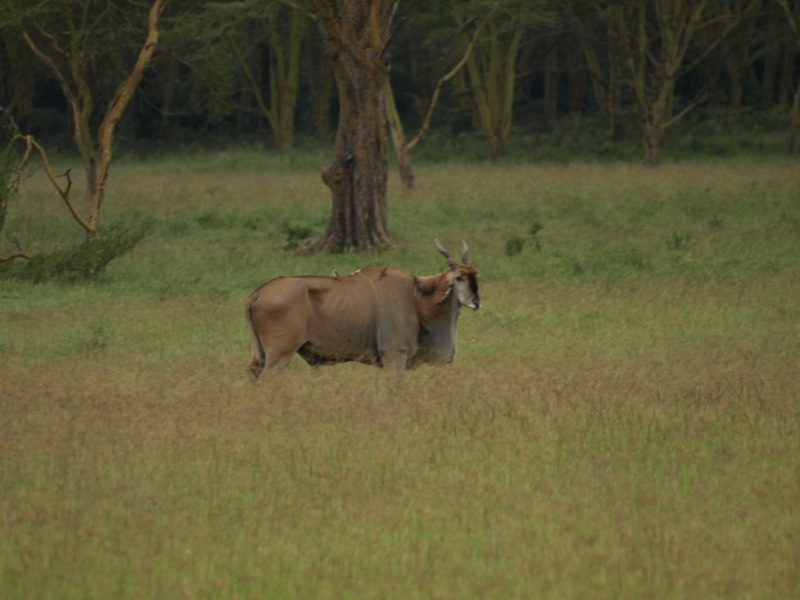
(450, 260)
(465, 253)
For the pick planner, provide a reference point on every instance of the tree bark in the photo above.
(355, 34)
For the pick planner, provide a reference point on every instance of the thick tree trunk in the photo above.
(355, 33)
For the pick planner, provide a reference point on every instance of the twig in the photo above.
(19, 254)
(24, 255)
(32, 144)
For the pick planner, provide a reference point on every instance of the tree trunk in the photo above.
(787, 76)
(398, 139)
(576, 80)
(793, 16)
(734, 62)
(355, 33)
(285, 72)
(551, 74)
(403, 149)
(768, 79)
(771, 56)
(492, 75)
(169, 96)
(794, 120)
(651, 143)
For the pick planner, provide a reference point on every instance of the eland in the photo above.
(376, 315)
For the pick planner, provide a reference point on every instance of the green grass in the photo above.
(622, 419)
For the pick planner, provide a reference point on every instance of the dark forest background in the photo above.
(583, 77)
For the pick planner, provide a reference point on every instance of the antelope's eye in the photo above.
(459, 278)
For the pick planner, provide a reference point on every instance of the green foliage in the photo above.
(82, 261)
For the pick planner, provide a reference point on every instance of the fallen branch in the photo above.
(24, 255)
(19, 254)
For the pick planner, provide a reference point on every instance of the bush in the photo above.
(296, 235)
(514, 246)
(82, 261)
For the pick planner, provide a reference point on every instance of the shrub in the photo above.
(81, 261)
(514, 246)
(296, 235)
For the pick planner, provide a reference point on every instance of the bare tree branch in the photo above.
(32, 144)
(20, 253)
(426, 122)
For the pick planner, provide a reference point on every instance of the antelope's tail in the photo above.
(259, 356)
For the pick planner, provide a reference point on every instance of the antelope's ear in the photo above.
(447, 288)
(446, 294)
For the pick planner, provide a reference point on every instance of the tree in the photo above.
(793, 16)
(738, 54)
(71, 37)
(86, 259)
(601, 62)
(492, 74)
(402, 148)
(657, 42)
(356, 35)
(243, 59)
(275, 83)
(491, 66)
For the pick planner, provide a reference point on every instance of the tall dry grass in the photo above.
(621, 420)
(512, 477)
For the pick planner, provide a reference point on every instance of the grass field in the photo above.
(622, 419)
